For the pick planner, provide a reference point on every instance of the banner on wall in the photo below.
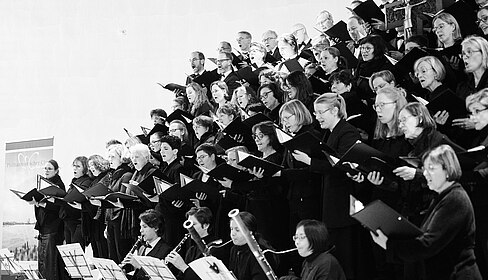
(23, 161)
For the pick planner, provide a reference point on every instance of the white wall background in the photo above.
(81, 70)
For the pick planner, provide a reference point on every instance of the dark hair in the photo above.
(158, 112)
(250, 222)
(99, 162)
(378, 45)
(275, 88)
(153, 219)
(255, 108)
(158, 134)
(420, 40)
(317, 235)
(54, 164)
(245, 33)
(173, 141)
(200, 55)
(202, 214)
(268, 128)
(84, 163)
(207, 148)
(299, 80)
(342, 76)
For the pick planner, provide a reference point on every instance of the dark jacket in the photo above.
(322, 266)
(121, 175)
(244, 265)
(68, 213)
(47, 218)
(466, 87)
(160, 251)
(446, 246)
(232, 82)
(336, 187)
(363, 72)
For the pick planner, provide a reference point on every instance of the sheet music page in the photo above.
(108, 269)
(211, 268)
(155, 268)
(75, 261)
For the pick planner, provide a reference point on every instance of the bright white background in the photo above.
(82, 70)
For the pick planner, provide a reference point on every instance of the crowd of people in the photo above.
(417, 98)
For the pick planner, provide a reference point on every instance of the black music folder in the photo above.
(346, 53)
(225, 170)
(196, 186)
(32, 194)
(98, 189)
(249, 161)
(75, 194)
(368, 10)
(449, 102)
(366, 159)
(255, 119)
(309, 144)
(378, 215)
(339, 31)
(473, 157)
(47, 188)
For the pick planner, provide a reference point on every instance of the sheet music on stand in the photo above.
(155, 268)
(75, 261)
(108, 269)
(8, 263)
(211, 268)
(30, 270)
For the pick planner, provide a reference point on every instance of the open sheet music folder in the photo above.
(378, 215)
(74, 260)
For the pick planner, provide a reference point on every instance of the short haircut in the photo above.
(269, 74)
(419, 110)
(359, 19)
(342, 76)
(273, 33)
(378, 43)
(229, 109)
(120, 151)
(140, 149)
(248, 35)
(182, 101)
(435, 63)
(227, 55)
(200, 55)
(326, 14)
(420, 40)
(182, 127)
(112, 142)
(158, 134)
(202, 214)
(479, 43)
(204, 121)
(289, 39)
(385, 75)
(260, 46)
(296, 107)
(158, 112)
(84, 163)
(445, 156)
(395, 95)
(154, 220)
(275, 88)
(100, 163)
(207, 148)
(317, 235)
(480, 97)
(332, 100)
(173, 141)
(255, 108)
(449, 19)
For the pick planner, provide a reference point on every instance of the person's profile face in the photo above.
(410, 46)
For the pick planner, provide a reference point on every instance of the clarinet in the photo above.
(253, 245)
(137, 245)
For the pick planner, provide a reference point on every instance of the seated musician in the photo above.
(202, 221)
(152, 230)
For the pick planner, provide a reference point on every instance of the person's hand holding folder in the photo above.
(405, 172)
(464, 123)
(441, 117)
(301, 157)
(375, 178)
(379, 238)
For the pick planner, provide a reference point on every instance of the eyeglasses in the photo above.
(316, 113)
(404, 120)
(268, 39)
(476, 112)
(482, 20)
(298, 237)
(152, 143)
(296, 31)
(287, 119)
(381, 105)
(264, 95)
(440, 26)
(174, 130)
(366, 49)
(431, 168)
(201, 157)
(258, 136)
(469, 53)
(193, 59)
(380, 86)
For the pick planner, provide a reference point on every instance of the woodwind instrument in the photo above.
(180, 244)
(188, 224)
(253, 245)
(140, 241)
